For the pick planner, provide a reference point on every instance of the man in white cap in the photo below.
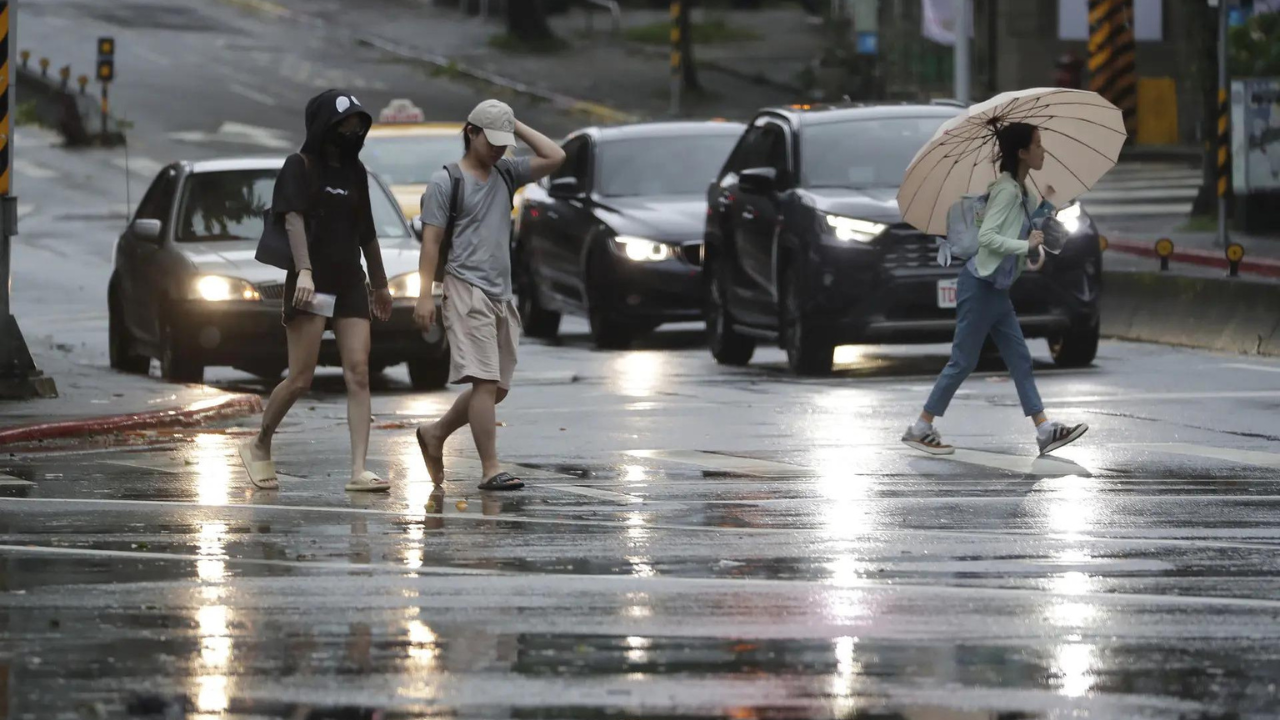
(466, 226)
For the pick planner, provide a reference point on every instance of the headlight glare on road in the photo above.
(216, 288)
(640, 249)
(1071, 217)
(847, 229)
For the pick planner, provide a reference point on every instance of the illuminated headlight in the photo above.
(847, 229)
(1070, 217)
(643, 250)
(216, 288)
(409, 285)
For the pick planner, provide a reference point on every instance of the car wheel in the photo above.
(431, 373)
(607, 330)
(178, 363)
(120, 342)
(727, 346)
(809, 351)
(538, 321)
(1076, 347)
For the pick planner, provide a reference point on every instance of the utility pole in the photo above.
(19, 377)
(1224, 126)
(964, 19)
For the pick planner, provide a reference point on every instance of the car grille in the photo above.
(906, 248)
(691, 253)
(271, 291)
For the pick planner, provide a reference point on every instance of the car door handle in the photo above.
(749, 214)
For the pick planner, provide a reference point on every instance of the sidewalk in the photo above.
(96, 401)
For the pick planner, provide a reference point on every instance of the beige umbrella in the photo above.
(1081, 131)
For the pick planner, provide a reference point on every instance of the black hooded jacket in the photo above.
(330, 190)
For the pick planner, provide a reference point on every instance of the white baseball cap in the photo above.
(497, 120)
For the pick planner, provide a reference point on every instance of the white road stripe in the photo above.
(1149, 193)
(139, 165)
(1023, 464)
(1262, 368)
(726, 463)
(466, 469)
(1241, 457)
(1222, 395)
(1098, 209)
(183, 469)
(1139, 184)
(9, 480)
(32, 170)
(596, 493)
(250, 93)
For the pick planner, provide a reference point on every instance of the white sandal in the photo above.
(368, 482)
(262, 473)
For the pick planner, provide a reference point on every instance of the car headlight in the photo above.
(640, 249)
(409, 285)
(1071, 217)
(216, 288)
(847, 229)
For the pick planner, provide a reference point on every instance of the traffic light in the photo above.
(106, 59)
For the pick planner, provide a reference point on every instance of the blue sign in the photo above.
(868, 43)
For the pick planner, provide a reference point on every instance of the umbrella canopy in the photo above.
(1081, 131)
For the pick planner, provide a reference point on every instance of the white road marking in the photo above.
(250, 93)
(596, 493)
(466, 469)
(142, 52)
(726, 463)
(1241, 457)
(1157, 193)
(1261, 368)
(1215, 395)
(1023, 464)
(32, 170)
(138, 165)
(1101, 209)
(9, 480)
(183, 468)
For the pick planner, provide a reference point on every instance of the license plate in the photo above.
(947, 293)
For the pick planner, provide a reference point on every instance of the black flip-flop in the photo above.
(502, 481)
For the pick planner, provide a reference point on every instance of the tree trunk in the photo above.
(689, 71)
(527, 21)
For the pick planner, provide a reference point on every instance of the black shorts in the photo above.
(352, 302)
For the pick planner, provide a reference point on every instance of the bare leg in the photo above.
(353, 346)
(304, 334)
(484, 425)
(440, 431)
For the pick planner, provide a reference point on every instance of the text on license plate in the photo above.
(947, 293)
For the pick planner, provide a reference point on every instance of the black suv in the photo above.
(805, 245)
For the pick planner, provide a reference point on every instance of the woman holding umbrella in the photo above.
(983, 305)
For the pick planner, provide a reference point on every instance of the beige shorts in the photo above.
(483, 334)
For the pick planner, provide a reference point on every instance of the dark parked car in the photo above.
(616, 234)
(187, 290)
(806, 247)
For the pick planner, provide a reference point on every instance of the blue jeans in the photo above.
(981, 310)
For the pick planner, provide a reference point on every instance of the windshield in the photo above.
(662, 166)
(863, 154)
(229, 205)
(410, 160)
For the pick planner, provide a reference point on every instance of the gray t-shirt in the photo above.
(481, 252)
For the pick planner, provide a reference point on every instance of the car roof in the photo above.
(383, 130)
(230, 164)
(673, 128)
(836, 113)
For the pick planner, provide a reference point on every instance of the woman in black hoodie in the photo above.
(323, 195)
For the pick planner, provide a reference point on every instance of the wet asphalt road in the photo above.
(695, 541)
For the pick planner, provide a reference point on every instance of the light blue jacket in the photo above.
(1001, 235)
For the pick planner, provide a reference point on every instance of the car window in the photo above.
(661, 166)
(774, 153)
(410, 160)
(577, 160)
(229, 205)
(750, 152)
(863, 154)
(158, 201)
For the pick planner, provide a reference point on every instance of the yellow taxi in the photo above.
(405, 151)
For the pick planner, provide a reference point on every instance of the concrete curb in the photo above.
(1261, 266)
(223, 408)
(1225, 314)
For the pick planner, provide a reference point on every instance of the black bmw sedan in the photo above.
(805, 245)
(616, 234)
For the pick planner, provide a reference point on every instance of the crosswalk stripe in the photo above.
(595, 493)
(469, 468)
(726, 463)
(1242, 457)
(1024, 464)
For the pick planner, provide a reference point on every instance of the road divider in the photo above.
(1264, 267)
(193, 414)
(77, 116)
(1226, 314)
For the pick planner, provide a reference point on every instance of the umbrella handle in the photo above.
(1039, 263)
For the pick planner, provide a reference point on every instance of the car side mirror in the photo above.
(758, 181)
(565, 188)
(147, 230)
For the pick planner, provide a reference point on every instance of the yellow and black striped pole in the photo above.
(1224, 126)
(6, 120)
(1112, 50)
(677, 7)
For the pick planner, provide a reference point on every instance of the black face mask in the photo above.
(347, 144)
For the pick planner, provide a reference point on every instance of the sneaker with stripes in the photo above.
(1053, 435)
(926, 439)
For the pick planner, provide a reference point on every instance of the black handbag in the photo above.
(273, 246)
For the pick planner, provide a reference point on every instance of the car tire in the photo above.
(1075, 348)
(538, 321)
(178, 363)
(120, 342)
(809, 351)
(429, 373)
(608, 331)
(727, 346)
